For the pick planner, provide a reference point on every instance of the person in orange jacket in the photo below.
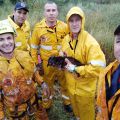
(47, 35)
(18, 93)
(18, 20)
(81, 79)
(108, 98)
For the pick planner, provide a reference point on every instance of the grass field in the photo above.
(101, 21)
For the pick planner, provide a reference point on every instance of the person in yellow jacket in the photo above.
(80, 45)
(21, 25)
(48, 35)
(108, 99)
(18, 98)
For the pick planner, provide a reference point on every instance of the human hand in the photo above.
(70, 67)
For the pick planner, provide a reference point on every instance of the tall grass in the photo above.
(5, 9)
(101, 22)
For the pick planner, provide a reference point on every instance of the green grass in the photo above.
(101, 21)
(57, 111)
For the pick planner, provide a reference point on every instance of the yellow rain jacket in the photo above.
(16, 83)
(49, 40)
(108, 99)
(23, 34)
(87, 51)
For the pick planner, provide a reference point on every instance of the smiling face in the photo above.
(75, 23)
(117, 47)
(6, 43)
(51, 12)
(20, 16)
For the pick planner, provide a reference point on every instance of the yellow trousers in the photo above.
(50, 75)
(83, 107)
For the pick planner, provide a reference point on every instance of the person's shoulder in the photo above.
(40, 24)
(27, 23)
(5, 21)
(24, 59)
(89, 38)
(12, 22)
(109, 67)
(59, 22)
(112, 64)
(62, 27)
(89, 35)
(67, 38)
(20, 54)
(3, 65)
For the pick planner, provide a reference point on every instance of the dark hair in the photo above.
(117, 30)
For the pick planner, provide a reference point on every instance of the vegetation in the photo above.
(102, 17)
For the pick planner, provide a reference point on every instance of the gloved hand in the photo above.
(45, 91)
(70, 67)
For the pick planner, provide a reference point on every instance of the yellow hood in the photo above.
(78, 11)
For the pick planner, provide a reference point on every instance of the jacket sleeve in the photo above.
(95, 59)
(101, 106)
(29, 35)
(1, 103)
(28, 42)
(1, 111)
(34, 45)
(38, 78)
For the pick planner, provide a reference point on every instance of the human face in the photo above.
(6, 43)
(20, 16)
(117, 47)
(50, 12)
(75, 23)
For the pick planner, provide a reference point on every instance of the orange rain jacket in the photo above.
(108, 100)
(16, 83)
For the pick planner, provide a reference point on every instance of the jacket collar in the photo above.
(14, 24)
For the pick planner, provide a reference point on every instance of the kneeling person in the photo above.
(18, 97)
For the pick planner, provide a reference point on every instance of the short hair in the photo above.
(51, 2)
(117, 30)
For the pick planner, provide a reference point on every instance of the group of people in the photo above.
(93, 94)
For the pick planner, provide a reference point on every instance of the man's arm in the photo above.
(95, 59)
(34, 45)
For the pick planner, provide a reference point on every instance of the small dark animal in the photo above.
(59, 61)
